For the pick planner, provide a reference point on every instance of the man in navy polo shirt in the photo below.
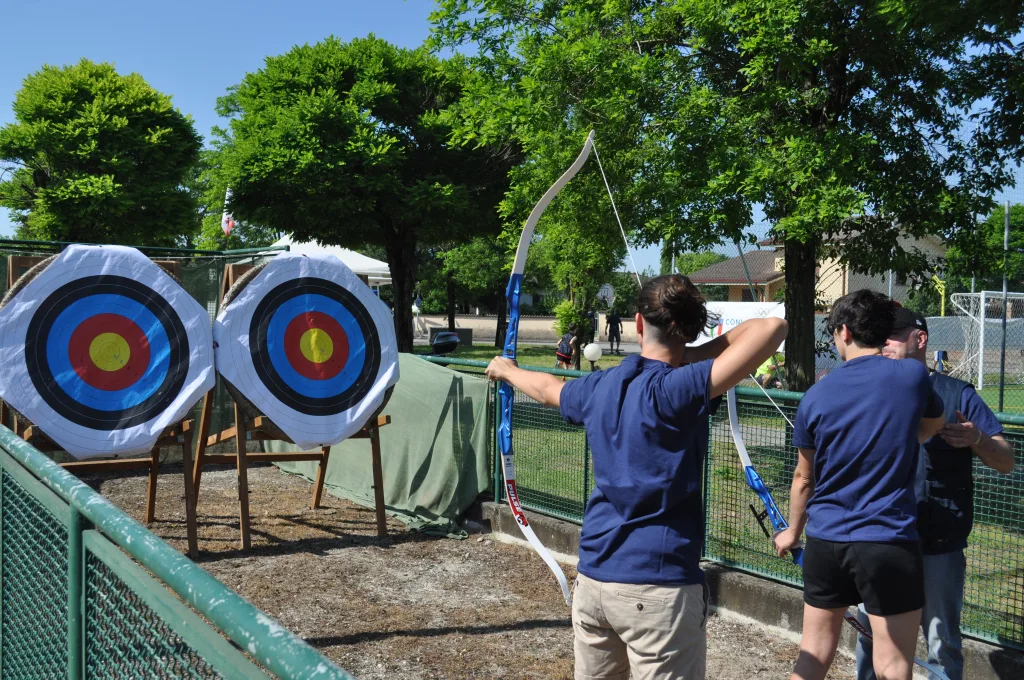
(640, 604)
(857, 431)
(945, 494)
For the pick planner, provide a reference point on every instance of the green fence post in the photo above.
(499, 477)
(76, 597)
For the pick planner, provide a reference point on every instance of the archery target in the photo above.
(310, 346)
(102, 350)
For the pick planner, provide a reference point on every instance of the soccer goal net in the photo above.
(981, 361)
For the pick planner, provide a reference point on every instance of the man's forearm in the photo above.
(995, 452)
(541, 387)
(799, 494)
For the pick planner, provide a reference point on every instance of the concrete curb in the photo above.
(762, 600)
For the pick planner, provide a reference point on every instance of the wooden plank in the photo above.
(154, 472)
(115, 465)
(17, 265)
(191, 525)
(242, 465)
(378, 482)
(321, 473)
(172, 267)
(204, 426)
(231, 458)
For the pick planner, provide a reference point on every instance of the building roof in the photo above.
(760, 262)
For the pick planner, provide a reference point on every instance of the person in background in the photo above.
(592, 317)
(565, 353)
(613, 327)
(641, 604)
(857, 432)
(767, 375)
(945, 495)
(420, 326)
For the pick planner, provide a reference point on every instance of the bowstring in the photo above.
(753, 296)
(615, 210)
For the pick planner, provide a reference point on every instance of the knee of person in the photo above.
(893, 668)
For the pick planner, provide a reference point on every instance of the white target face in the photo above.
(103, 351)
(310, 346)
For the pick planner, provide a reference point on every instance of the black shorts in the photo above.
(887, 577)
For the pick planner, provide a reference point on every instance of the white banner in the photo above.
(732, 314)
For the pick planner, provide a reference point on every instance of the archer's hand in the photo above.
(785, 541)
(962, 434)
(499, 368)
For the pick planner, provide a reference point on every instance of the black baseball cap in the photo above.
(906, 318)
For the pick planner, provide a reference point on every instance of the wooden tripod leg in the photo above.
(378, 480)
(204, 430)
(243, 477)
(321, 473)
(190, 497)
(154, 472)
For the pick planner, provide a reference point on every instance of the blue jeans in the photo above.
(940, 618)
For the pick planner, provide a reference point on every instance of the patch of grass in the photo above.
(1013, 398)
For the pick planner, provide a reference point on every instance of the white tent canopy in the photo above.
(378, 273)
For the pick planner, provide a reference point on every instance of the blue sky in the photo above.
(193, 50)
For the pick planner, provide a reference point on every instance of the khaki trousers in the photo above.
(624, 630)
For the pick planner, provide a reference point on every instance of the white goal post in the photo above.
(981, 319)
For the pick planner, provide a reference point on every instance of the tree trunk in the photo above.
(801, 264)
(401, 249)
(502, 326)
(450, 279)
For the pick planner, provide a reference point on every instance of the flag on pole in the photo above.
(227, 222)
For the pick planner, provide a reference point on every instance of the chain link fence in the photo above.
(90, 593)
(555, 477)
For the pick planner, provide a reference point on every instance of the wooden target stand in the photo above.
(261, 429)
(179, 434)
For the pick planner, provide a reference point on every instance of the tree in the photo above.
(688, 263)
(98, 157)
(480, 267)
(347, 144)
(840, 120)
(979, 253)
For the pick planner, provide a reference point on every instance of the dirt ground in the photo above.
(407, 606)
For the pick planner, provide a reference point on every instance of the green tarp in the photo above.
(435, 453)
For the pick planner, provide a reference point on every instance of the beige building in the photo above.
(834, 279)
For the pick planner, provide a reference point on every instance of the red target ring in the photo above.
(97, 348)
(316, 345)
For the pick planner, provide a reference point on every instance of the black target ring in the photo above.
(38, 365)
(267, 371)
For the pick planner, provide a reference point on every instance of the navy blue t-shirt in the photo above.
(862, 421)
(648, 426)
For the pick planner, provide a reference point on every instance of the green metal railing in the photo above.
(555, 477)
(88, 592)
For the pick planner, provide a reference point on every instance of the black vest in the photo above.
(945, 514)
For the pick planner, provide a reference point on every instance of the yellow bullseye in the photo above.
(316, 345)
(109, 351)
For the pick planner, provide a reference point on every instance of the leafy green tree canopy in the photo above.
(95, 156)
(347, 144)
(842, 120)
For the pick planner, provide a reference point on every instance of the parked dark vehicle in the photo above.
(444, 343)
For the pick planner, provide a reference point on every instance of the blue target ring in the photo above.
(319, 389)
(267, 329)
(67, 378)
(52, 374)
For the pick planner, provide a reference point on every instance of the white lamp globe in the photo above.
(592, 352)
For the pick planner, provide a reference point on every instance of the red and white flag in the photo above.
(227, 222)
